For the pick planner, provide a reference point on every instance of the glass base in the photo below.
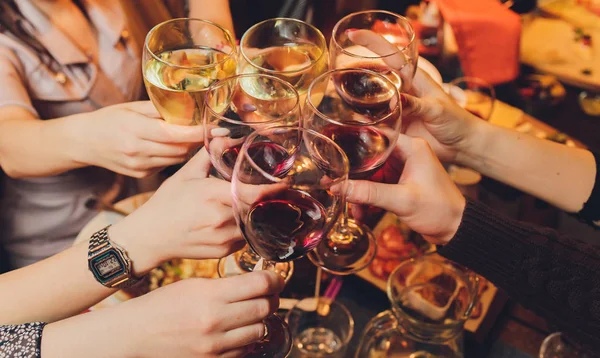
(346, 250)
(234, 265)
(277, 342)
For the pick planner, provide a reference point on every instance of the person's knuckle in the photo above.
(263, 282)
(262, 308)
(213, 346)
(372, 194)
(211, 323)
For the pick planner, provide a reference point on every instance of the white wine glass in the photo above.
(181, 59)
(290, 49)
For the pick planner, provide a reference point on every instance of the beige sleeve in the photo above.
(13, 91)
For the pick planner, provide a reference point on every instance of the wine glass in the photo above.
(473, 94)
(377, 40)
(233, 109)
(321, 328)
(284, 211)
(478, 97)
(287, 48)
(181, 59)
(557, 345)
(359, 110)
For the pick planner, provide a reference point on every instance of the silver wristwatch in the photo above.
(108, 262)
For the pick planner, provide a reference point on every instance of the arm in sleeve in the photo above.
(23, 340)
(551, 274)
(30, 147)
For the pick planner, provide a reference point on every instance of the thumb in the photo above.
(425, 109)
(198, 167)
(392, 197)
(180, 134)
(142, 107)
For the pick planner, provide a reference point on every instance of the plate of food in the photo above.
(167, 273)
(397, 243)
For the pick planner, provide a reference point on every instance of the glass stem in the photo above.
(248, 259)
(345, 215)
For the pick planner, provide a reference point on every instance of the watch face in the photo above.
(108, 265)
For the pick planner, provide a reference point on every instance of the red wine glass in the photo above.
(234, 108)
(284, 214)
(360, 111)
(377, 40)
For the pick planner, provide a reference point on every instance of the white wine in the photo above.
(298, 64)
(177, 82)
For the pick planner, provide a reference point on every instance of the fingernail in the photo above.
(403, 100)
(349, 31)
(248, 107)
(349, 189)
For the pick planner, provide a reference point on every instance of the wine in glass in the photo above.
(377, 40)
(181, 59)
(287, 48)
(233, 109)
(360, 111)
(285, 214)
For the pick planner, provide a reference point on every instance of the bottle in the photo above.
(431, 299)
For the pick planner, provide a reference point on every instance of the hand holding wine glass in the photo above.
(189, 216)
(131, 139)
(425, 197)
(433, 115)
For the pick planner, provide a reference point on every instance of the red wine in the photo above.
(285, 226)
(364, 146)
(270, 157)
(364, 93)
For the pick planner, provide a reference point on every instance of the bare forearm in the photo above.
(214, 10)
(35, 148)
(99, 334)
(50, 290)
(553, 172)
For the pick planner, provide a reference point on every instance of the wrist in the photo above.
(72, 136)
(78, 336)
(456, 219)
(471, 152)
(128, 235)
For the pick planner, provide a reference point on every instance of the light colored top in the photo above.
(94, 64)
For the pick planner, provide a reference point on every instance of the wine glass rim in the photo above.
(398, 49)
(253, 135)
(480, 81)
(453, 323)
(211, 88)
(312, 63)
(316, 111)
(228, 36)
(330, 302)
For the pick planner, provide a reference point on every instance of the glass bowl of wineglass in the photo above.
(360, 111)
(377, 40)
(286, 212)
(233, 109)
(181, 59)
(287, 48)
(473, 94)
